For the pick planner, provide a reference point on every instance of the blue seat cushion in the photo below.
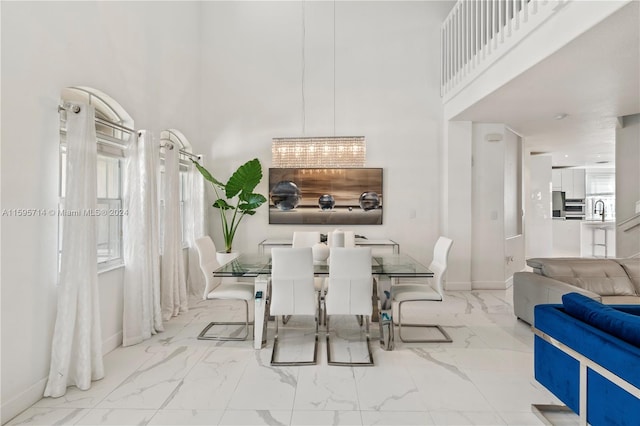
(622, 325)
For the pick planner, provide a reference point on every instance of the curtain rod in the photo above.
(76, 109)
(170, 145)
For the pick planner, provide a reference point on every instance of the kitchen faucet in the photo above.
(595, 209)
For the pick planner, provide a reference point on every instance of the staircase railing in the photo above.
(477, 32)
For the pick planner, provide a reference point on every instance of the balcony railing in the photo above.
(477, 32)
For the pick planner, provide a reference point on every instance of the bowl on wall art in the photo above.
(285, 195)
(369, 201)
(326, 202)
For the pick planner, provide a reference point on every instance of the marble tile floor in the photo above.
(485, 377)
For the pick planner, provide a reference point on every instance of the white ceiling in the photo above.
(594, 79)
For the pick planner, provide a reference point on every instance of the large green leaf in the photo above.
(256, 201)
(221, 204)
(246, 178)
(205, 173)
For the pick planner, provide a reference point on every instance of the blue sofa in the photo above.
(588, 355)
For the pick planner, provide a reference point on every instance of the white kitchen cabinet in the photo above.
(556, 179)
(567, 183)
(572, 182)
(578, 184)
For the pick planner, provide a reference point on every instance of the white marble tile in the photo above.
(48, 416)
(521, 418)
(256, 417)
(187, 417)
(403, 418)
(466, 418)
(263, 387)
(118, 365)
(212, 381)
(326, 388)
(387, 388)
(445, 387)
(325, 418)
(116, 416)
(511, 392)
(504, 360)
(151, 385)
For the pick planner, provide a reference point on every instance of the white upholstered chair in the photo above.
(431, 291)
(292, 292)
(309, 239)
(349, 238)
(216, 289)
(349, 290)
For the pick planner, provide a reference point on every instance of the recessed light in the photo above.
(566, 156)
(561, 116)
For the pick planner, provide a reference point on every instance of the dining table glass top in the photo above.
(392, 265)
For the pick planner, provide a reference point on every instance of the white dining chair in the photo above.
(309, 239)
(292, 292)
(349, 238)
(349, 290)
(215, 288)
(430, 291)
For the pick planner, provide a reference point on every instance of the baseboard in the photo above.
(490, 285)
(23, 400)
(458, 286)
(111, 343)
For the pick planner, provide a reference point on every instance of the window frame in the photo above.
(111, 143)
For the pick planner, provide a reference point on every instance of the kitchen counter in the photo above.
(597, 238)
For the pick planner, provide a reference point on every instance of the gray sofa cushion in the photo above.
(632, 268)
(601, 276)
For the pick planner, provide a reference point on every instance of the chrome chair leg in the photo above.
(246, 323)
(445, 336)
(314, 361)
(331, 361)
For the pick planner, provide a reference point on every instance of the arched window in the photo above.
(175, 138)
(113, 131)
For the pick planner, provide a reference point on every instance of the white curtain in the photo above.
(142, 317)
(172, 282)
(194, 211)
(76, 353)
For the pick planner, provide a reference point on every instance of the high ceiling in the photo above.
(593, 80)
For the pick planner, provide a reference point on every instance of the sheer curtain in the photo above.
(141, 317)
(194, 211)
(76, 353)
(172, 282)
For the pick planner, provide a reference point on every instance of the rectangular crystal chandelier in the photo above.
(318, 152)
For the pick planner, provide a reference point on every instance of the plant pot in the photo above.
(224, 257)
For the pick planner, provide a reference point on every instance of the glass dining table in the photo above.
(386, 268)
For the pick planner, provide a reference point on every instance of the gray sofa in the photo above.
(610, 281)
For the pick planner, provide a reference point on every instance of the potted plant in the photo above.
(240, 186)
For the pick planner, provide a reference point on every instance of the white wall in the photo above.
(497, 244)
(144, 55)
(456, 201)
(627, 184)
(386, 88)
(487, 254)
